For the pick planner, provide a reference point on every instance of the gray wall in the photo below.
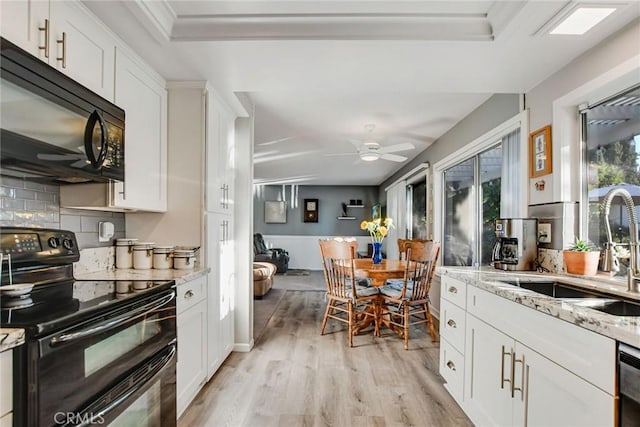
(330, 199)
(30, 204)
(497, 109)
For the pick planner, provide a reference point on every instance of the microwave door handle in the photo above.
(96, 162)
(111, 323)
(98, 411)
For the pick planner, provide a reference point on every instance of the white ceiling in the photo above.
(319, 71)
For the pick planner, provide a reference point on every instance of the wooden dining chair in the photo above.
(402, 245)
(402, 254)
(409, 305)
(347, 302)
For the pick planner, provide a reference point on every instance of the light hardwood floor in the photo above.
(296, 377)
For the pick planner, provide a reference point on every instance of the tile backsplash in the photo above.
(31, 204)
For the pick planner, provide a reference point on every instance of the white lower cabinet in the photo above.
(511, 385)
(526, 368)
(192, 340)
(553, 396)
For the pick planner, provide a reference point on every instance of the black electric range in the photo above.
(93, 349)
(44, 257)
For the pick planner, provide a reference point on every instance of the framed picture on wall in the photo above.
(540, 152)
(275, 212)
(310, 210)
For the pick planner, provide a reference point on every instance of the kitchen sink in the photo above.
(612, 306)
(554, 289)
(581, 297)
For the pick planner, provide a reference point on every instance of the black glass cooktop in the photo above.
(52, 307)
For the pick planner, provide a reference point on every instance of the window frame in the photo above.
(472, 149)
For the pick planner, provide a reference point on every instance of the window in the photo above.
(468, 214)
(611, 134)
(417, 209)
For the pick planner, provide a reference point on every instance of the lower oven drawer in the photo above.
(146, 397)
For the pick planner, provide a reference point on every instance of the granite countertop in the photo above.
(622, 328)
(180, 276)
(10, 338)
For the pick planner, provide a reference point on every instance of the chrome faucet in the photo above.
(610, 260)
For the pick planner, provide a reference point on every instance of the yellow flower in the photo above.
(377, 228)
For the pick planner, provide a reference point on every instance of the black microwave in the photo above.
(53, 129)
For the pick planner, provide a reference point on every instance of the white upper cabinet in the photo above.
(66, 36)
(143, 97)
(220, 145)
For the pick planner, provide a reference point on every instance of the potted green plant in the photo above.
(582, 258)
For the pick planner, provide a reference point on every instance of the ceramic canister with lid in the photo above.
(124, 252)
(143, 255)
(184, 259)
(162, 257)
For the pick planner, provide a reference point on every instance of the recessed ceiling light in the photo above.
(582, 20)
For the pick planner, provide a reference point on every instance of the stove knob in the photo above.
(54, 242)
(68, 244)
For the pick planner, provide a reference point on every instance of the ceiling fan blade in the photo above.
(277, 141)
(339, 154)
(397, 147)
(393, 157)
(355, 142)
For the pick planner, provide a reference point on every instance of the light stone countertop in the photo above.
(180, 276)
(622, 328)
(10, 338)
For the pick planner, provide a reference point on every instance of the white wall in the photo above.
(609, 67)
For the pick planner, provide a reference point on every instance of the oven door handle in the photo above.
(111, 323)
(97, 412)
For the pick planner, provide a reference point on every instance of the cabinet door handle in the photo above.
(188, 294)
(451, 365)
(453, 290)
(513, 384)
(452, 323)
(502, 378)
(46, 38)
(222, 232)
(222, 196)
(63, 42)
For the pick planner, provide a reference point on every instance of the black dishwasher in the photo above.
(629, 385)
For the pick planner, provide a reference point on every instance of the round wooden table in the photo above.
(379, 273)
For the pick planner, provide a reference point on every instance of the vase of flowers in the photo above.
(378, 229)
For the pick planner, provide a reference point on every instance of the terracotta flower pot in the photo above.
(582, 263)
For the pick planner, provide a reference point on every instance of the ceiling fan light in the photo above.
(369, 157)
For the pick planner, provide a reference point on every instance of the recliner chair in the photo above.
(277, 256)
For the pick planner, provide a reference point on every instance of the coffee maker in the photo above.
(516, 246)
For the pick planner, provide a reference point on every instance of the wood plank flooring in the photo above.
(296, 377)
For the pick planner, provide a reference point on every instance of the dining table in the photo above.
(378, 274)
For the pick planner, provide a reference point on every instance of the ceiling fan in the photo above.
(370, 150)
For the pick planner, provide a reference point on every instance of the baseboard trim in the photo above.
(243, 348)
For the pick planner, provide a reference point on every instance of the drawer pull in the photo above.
(188, 294)
(453, 290)
(452, 323)
(451, 365)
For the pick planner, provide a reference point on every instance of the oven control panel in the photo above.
(38, 245)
